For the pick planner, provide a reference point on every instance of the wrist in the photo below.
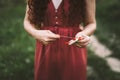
(85, 33)
(89, 29)
(35, 34)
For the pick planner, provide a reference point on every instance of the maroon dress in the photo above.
(58, 61)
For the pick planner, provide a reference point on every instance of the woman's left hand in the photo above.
(82, 39)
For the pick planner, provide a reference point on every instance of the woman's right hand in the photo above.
(46, 36)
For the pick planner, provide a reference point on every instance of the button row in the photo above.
(56, 22)
(56, 17)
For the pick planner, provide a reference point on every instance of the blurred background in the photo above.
(17, 47)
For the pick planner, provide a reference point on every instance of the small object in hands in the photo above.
(71, 42)
(68, 43)
(75, 40)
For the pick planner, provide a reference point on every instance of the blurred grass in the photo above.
(16, 47)
(100, 69)
(109, 37)
(108, 29)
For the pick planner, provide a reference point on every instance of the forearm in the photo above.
(89, 18)
(89, 29)
(30, 28)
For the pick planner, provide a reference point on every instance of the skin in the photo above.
(46, 36)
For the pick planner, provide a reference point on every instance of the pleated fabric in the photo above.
(57, 60)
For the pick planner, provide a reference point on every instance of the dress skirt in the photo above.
(59, 61)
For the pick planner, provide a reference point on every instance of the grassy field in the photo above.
(17, 47)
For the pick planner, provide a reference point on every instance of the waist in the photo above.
(62, 29)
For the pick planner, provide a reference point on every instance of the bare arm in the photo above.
(89, 20)
(44, 36)
(89, 23)
(30, 28)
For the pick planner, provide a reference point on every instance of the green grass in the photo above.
(101, 71)
(108, 34)
(16, 46)
(108, 29)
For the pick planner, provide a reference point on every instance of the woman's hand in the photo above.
(81, 40)
(46, 36)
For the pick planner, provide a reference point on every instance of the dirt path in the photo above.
(102, 51)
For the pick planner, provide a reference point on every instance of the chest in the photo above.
(56, 3)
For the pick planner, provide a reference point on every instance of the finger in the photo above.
(53, 35)
(47, 42)
(85, 40)
(80, 46)
(80, 35)
(49, 39)
(44, 42)
(85, 44)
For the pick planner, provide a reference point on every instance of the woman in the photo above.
(53, 23)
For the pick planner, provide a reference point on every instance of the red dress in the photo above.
(58, 61)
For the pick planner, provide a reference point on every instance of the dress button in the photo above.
(56, 22)
(56, 17)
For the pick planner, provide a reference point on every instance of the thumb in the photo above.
(53, 35)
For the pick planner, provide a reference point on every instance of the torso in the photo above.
(57, 14)
(58, 61)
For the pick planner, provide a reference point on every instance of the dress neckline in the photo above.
(58, 6)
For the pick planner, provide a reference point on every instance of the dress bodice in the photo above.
(59, 17)
(56, 60)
